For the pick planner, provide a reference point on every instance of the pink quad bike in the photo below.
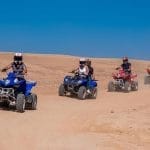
(147, 77)
(123, 82)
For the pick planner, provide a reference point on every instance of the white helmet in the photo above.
(18, 54)
(18, 57)
(82, 61)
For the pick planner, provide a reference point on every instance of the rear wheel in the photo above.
(127, 87)
(147, 80)
(111, 86)
(20, 103)
(61, 90)
(34, 101)
(82, 93)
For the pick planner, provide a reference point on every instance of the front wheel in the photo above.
(135, 86)
(82, 93)
(20, 103)
(61, 91)
(127, 87)
(111, 86)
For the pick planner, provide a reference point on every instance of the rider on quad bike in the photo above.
(91, 69)
(124, 79)
(81, 85)
(148, 70)
(126, 66)
(17, 66)
(83, 69)
(147, 77)
(14, 89)
(90, 74)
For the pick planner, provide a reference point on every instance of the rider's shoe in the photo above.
(88, 91)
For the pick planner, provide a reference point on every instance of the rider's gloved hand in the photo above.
(117, 68)
(73, 71)
(4, 70)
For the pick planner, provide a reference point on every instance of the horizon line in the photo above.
(69, 55)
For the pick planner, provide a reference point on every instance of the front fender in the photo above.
(93, 83)
(1, 82)
(29, 86)
(82, 82)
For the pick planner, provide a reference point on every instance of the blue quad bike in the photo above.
(16, 91)
(79, 86)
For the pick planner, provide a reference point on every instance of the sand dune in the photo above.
(114, 121)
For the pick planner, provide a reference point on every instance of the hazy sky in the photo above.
(108, 28)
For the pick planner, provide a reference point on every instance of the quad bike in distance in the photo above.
(123, 82)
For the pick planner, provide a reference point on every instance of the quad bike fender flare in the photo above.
(29, 86)
(133, 76)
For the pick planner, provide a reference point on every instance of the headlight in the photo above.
(16, 80)
(7, 82)
(79, 82)
(66, 80)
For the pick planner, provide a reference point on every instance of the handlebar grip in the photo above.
(3, 70)
(117, 68)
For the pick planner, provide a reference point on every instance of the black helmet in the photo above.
(18, 57)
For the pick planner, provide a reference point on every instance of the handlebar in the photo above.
(74, 72)
(16, 74)
(117, 68)
(71, 72)
(4, 70)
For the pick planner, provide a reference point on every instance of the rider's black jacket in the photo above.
(91, 71)
(18, 68)
(126, 67)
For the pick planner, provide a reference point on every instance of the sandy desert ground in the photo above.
(114, 121)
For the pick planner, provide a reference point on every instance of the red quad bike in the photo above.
(123, 82)
(147, 77)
